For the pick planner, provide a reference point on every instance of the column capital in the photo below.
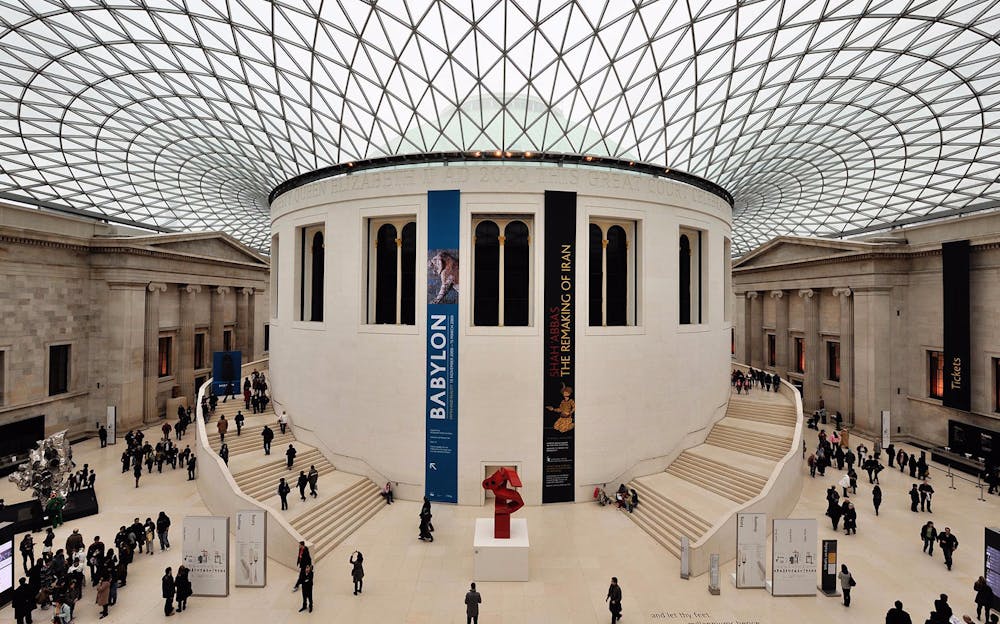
(777, 294)
(752, 294)
(807, 293)
(247, 291)
(191, 289)
(221, 290)
(842, 292)
(157, 286)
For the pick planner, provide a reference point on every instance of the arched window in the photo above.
(385, 275)
(516, 280)
(309, 272)
(486, 278)
(392, 271)
(613, 283)
(317, 277)
(684, 280)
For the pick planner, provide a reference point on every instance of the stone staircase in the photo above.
(705, 484)
(345, 501)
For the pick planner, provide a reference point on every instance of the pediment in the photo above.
(204, 244)
(784, 250)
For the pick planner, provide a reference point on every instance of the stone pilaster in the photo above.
(756, 329)
(245, 322)
(846, 353)
(872, 357)
(780, 332)
(740, 318)
(217, 324)
(151, 376)
(185, 350)
(811, 377)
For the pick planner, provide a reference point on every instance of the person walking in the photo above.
(102, 434)
(192, 464)
(223, 427)
(614, 600)
(239, 420)
(313, 477)
(949, 544)
(845, 483)
(183, 588)
(929, 535)
(283, 491)
(224, 453)
(168, 588)
(163, 530)
(137, 472)
(268, 434)
(984, 597)
(877, 497)
(302, 483)
(307, 588)
(896, 615)
(846, 583)
(290, 454)
(472, 602)
(283, 422)
(914, 498)
(358, 571)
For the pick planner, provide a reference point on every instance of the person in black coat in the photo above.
(877, 497)
(850, 519)
(914, 498)
(192, 464)
(268, 435)
(307, 588)
(167, 585)
(302, 483)
(24, 602)
(290, 454)
(358, 571)
(948, 543)
(614, 600)
(896, 615)
(283, 490)
(926, 493)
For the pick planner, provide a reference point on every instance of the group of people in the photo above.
(945, 540)
(625, 498)
(59, 576)
(942, 613)
(311, 479)
(743, 382)
(255, 393)
(139, 452)
(82, 479)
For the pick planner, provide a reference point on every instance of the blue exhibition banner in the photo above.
(226, 367)
(441, 466)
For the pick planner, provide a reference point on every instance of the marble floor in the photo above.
(576, 548)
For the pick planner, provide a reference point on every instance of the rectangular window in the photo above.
(267, 337)
(274, 259)
(165, 356)
(935, 374)
(727, 283)
(690, 279)
(800, 355)
(199, 350)
(996, 384)
(227, 340)
(310, 271)
(833, 360)
(613, 274)
(3, 377)
(392, 270)
(59, 369)
(502, 272)
(772, 351)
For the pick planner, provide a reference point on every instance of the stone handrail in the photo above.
(223, 496)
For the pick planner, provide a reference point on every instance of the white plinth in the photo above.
(500, 559)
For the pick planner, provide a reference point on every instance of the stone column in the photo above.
(217, 322)
(811, 377)
(125, 336)
(740, 318)
(151, 357)
(756, 329)
(185, 350)
(780, 332)
(872, 361)
(846, 353)
(245, 322)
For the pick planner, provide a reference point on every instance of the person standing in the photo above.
(283, 422)
(182, 586)
(914, 498)
(984, 597)
(302, 560)
(283, 491)
(24, 601)
(929, 535)
(614, 600)
(850, 520)
(877, 497)
(846, 583)
(167, 585)
(239, 419)
(290, 454)
(268, 435)
(358, 571)
(224, 453)
(949, 544)
(27, 548)
(137, 472)
(313, 477)
(472, 602)
(103, 598)
(896, 615)
(163, 530)
(192, 464)
(223, 427)
(302, 483)
(926, 493)
(102, 433)
(307, 588)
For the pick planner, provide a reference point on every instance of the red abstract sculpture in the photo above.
(507, 500)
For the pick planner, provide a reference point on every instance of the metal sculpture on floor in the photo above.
(47, 470)
(507, 500)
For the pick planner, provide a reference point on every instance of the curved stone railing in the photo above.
(223, 497)
(777, 499)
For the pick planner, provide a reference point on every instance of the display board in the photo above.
(828, 573)
(751, 549)
(251, 548)
(441, 405)
(793, 558)
(992, 563)
(206, 554)
(226, 370)
(6, 562)
(955, 324)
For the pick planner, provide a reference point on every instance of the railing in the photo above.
(223, 496)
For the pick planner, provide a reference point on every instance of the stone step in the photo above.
(266, 486)
(278, 467)
(717, 477)
(664, 519)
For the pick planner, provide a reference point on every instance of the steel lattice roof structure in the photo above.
(827, 117)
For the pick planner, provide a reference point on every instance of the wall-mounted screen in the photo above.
(6, 565)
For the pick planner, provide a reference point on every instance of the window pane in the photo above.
(385, 275)
(596, 275)
(487, 275)
(800, 355)
(935, 368)
(199, 351)
(771, 350)
(318, 266)
(408, 296)
(617, 306)
(58, 369)
(165, 345)
(684, 280)
(515, 274)
(227, 340)
(996, 384)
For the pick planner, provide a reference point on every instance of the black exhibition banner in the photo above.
(559, 410)
(957, 373)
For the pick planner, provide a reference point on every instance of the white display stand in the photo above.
(500, 559)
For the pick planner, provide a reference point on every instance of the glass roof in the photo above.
(828, 117)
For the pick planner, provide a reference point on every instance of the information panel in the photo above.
(226, 368)
(206, 554)
(793, 559)
(992, 563)
(955, 288)
(559, 354)
(441, 405)
(828, 573)
(251, 548)
(751, 548)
